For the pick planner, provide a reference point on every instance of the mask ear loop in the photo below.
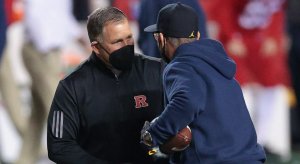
(165, 43)
(94, 43)
(163, 53)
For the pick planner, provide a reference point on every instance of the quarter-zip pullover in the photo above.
(96, 116)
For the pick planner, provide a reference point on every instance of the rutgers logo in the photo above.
(140, 101)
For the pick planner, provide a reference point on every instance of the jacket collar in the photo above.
(102, 66)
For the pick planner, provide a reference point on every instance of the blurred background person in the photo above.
(10, 92)
(253, 34)
(49, 27)
(148, 12)
(80, 10)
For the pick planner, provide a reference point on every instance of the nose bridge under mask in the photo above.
(122, 58)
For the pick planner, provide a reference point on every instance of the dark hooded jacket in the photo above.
(201, 92)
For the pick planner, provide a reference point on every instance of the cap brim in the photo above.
(151, 28)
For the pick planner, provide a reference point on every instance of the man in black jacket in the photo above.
(98, 110)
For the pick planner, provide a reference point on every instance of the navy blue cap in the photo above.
(176, 20)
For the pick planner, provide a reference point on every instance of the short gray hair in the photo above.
(98, 18)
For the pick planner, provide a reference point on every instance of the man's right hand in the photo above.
(145, 135)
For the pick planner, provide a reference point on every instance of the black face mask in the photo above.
(122, 58)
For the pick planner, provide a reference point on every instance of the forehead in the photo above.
(116, 30)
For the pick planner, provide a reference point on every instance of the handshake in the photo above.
(176, 143)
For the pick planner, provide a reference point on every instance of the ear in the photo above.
(198, 35)
(94, 47)
(161, 39)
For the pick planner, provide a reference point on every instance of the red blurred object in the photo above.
(129, 7)
(14, 10)
(255, 66)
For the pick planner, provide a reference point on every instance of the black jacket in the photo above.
(96, 117)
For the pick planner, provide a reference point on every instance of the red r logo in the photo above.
(140, 101)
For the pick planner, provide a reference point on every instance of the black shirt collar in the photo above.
(102, 66)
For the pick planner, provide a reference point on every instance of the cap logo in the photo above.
(192, 35)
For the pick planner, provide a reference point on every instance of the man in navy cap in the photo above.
(201, 92)
(148, 12)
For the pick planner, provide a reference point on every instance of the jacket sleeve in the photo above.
(186, 99)
(63, 129)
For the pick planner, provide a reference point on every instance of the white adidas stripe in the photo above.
(57, 124)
